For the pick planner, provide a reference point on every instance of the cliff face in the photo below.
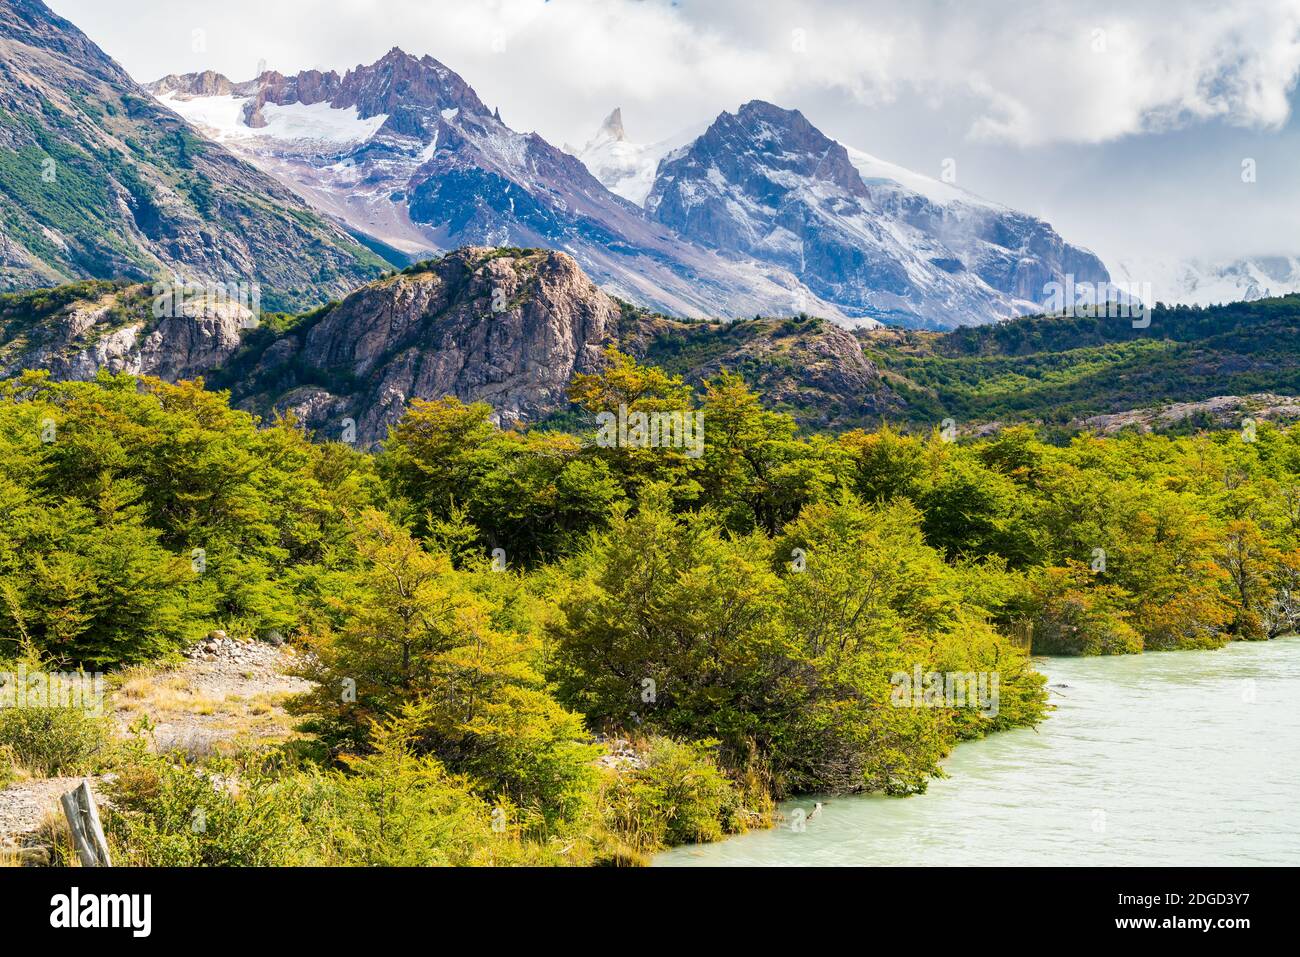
(112, 327)
(478, 324)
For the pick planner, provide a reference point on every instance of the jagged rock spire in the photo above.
(613, 125)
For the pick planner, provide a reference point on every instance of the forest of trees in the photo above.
(1058, 370)
(479, 605)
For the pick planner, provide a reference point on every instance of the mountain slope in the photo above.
(877, 241)
(1064, 371)
(404, 151)
(98, 181)
(760, 214)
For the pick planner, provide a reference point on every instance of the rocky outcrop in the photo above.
(207, 83)
(117, 332)
(507, 328)
(806, 366)
(1217, 412)
(511, 328)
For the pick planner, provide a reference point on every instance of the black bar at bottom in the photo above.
(947, 907)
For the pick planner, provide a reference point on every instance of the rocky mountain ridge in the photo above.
(762, 213)
(510, 327)
(405, 152)
(764, 182)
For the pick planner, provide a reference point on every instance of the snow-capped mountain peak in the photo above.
(1203, 282)
(612, 128)
(758, 213)
(399, 94)
(876, 239)
(404, 151)
(624, 167)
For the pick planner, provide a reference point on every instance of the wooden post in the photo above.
(87, 833)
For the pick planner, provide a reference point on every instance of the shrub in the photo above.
(422, 640)
(397, 809)
(789, 669)
(139, 515)
(680, 796)
(51, 741)
(8, 766)
(973, 647)
(168, 813)
(1071, 616)
(389, 808)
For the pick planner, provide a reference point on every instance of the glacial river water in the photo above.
(1166, 758)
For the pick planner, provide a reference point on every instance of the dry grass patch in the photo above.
(201, 710)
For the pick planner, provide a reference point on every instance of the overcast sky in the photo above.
(1125, 124)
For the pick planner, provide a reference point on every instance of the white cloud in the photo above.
(1054, 72)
